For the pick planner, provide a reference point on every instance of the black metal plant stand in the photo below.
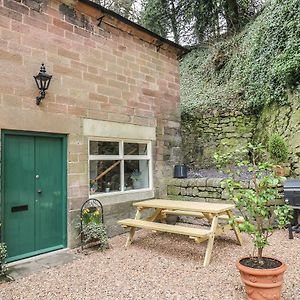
(92, 204)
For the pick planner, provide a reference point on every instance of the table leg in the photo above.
(235, 228)
(132, 229)
(290, 232)
(155, 216)
(214, 225)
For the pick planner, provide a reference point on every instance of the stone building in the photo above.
(107, 127)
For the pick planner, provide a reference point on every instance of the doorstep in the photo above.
(28, 266)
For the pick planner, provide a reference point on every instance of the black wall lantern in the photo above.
(42, 81)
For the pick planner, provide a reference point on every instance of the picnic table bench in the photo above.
(213, 212)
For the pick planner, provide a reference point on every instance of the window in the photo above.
(119, 166)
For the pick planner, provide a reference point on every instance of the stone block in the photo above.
(201, 182)
(189, 191)
(195, 191)
(204, 194)
(183, 191)
(173, 190)
(184, 182)
(214, 182)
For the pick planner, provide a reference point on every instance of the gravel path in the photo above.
(156, 266)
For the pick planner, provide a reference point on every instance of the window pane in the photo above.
(104, 176)
(136, 174)
(135, 149)
(104, 148)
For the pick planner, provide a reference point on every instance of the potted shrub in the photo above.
(278, 151)
(262, 275)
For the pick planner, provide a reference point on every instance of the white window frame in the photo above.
(122, 158)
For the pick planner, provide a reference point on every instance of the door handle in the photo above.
(39, 191)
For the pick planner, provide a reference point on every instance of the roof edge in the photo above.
(181, 49)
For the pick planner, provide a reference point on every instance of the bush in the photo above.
(278, 149)
(3, 253)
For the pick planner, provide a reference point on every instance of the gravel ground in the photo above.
(156, 266)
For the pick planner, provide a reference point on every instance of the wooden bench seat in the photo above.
(192, 232)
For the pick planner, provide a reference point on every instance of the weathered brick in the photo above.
(109, 91)
(34, 22)
(68, 53)
(5, 22)
(67, 71)
(57, 108)
(62, 24)
(77, 111)
(10, 14)
(98, 115)
(115, 117)
(82, 32)
(11, 4)
(56, 30)
(98, 98)
(94, 78)
(6, 56)
(11, 100)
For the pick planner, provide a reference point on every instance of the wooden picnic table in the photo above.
(213, 212)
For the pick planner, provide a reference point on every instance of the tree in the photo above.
(126, 8)
(168, 18)
(194, 21)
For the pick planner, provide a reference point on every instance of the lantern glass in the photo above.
(42, 80)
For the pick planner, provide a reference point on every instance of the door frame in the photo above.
(63, 137)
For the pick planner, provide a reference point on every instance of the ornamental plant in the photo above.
(136, 175)
(3, 254)
(278, 149)
(93, 229)
(257, 202)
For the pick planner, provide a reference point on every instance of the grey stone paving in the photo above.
(40, 263)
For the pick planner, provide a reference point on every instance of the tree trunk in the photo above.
(231, 12)
(174, 22)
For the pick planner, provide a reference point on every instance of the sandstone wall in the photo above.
(99, 73)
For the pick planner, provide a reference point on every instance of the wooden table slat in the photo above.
(205, 207)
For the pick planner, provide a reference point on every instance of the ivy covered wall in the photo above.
(284, 120)
(256, 72)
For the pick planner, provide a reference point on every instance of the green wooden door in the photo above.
(34, 198)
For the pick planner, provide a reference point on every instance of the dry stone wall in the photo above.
(285, 120)
(203, 135)
(203, 190)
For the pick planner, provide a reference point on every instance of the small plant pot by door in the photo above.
(180, 171)
(262, 284)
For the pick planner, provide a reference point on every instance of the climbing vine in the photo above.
(257, 67)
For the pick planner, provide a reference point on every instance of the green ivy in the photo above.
(255, 68)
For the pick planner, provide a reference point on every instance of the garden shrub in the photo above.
(278, 149)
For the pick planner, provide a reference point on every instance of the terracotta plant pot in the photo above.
(262, 284)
